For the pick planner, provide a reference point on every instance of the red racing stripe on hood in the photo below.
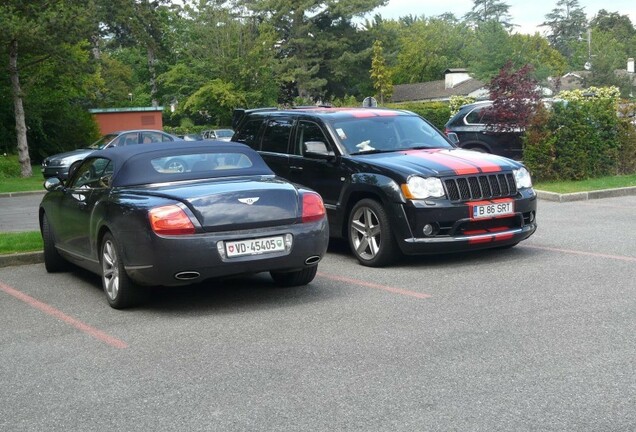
(479, 160)
(461, 165)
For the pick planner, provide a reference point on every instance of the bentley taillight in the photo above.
(313, 207)
(170, 220)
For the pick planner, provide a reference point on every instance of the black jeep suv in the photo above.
(391, 182)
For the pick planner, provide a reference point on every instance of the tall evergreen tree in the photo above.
(567, 25)
(490, 10)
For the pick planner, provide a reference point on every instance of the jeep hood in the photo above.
(440, 162)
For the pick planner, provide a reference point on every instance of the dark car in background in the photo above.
(392, 183)
(472, 128)
(125, 217)
(58, 165)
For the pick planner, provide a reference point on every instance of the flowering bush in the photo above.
(456, 102)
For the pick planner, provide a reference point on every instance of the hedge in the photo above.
(581, 137)
(437, 113)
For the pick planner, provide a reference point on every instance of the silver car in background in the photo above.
(58, 165)
(218, 134)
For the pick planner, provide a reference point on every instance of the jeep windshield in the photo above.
(387, 134)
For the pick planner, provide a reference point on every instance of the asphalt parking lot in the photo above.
(535, 338)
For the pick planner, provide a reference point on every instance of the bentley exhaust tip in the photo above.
(312, 260)
(187, 275)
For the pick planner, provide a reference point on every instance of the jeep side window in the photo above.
(248, 134)
(309, 137)
(276, 136)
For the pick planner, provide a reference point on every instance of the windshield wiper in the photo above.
(374, 151)
(421, 148)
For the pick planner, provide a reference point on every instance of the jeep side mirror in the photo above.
(317, 149)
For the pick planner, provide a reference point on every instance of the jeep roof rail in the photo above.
(312, 106)
(239, 113)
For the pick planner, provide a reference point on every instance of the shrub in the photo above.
(9, 166)
(346, 101)
(540, 146)
(627, 139)
(437, 113)
(581, 137)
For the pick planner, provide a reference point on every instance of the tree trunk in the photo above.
(97, 53)
(153, 76)
(20, 124)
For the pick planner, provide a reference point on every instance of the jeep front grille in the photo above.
(484, 186)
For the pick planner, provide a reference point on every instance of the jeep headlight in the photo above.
(418, 187)
(522, 178)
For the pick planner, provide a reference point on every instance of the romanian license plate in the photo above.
(254, 246)
(493, 210)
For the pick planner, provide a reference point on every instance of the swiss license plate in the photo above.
(493, 210)
(254, 246)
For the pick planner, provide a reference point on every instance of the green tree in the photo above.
(215, 100)
(430, 46)
(613, 37)
(620, 26)
(309, 38)
(32, 34)
(140, 24)
(213, 41)
(609, 54)
(490, 51)
(536, 51)
(380, 73)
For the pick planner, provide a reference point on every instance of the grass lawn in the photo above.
(19, 184)
(20, 242)
(587, 185)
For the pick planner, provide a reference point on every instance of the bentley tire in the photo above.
(121, 291)
(53, 261)
(295, 278)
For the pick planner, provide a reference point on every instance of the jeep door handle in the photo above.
(297, 168)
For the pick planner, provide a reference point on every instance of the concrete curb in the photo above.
(21, 259)
(19, 194)
(584, 196)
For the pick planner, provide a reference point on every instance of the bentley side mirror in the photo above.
(53, 183)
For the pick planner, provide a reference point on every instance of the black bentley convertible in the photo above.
(127, 216)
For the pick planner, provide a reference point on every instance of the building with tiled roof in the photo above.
(456, 82)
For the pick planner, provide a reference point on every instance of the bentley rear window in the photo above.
(201, 162)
